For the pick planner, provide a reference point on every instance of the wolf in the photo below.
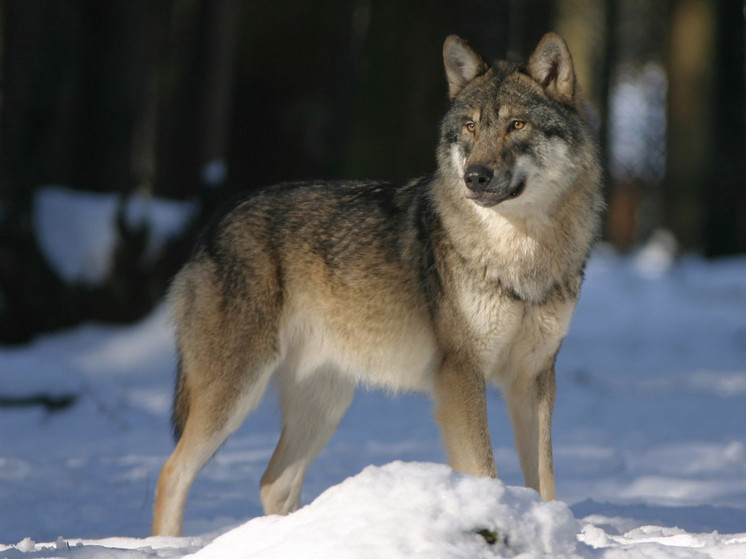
(443, 284)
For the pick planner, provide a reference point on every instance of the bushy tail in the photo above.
(180, 411)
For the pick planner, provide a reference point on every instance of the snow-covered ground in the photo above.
(649, 430)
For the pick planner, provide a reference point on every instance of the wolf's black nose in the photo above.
(477, 177)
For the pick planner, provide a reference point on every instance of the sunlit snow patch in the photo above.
(410, 510)
(77, 231)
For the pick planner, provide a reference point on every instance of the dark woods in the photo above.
(195, 99)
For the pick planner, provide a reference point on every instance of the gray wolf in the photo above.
(441, 284)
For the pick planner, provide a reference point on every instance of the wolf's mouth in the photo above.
(518, 190)
(489, 198)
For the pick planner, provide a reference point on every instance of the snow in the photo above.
(214, 172)
(405, 510)
(649, 432)
(77, 231)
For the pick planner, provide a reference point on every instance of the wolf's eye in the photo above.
(517, 124)
(470, 126)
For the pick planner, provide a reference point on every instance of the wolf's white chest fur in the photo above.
(517, 337)
(518, 333)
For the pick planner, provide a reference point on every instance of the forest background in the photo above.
(194, 100)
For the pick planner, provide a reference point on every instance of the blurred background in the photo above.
(123, 123)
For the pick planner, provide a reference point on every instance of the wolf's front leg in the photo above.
(461, 412)
(530, 401)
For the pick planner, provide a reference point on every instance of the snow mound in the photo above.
(410, 510)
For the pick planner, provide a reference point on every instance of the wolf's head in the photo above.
(514, 138)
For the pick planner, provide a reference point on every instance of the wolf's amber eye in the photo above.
(517, 124)
(470, 126)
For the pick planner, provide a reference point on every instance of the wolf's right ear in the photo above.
(462, 64)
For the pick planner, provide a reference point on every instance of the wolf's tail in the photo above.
(180, 410)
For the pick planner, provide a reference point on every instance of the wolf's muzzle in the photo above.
(487, 190)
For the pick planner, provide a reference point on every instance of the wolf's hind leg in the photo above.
(312, 409)
(212, 413)
(530, 405)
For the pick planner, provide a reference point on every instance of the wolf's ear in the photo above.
(462, 64)
(551, 66)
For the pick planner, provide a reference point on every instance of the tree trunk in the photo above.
(691, 132)
(115, 70)
(724, 197)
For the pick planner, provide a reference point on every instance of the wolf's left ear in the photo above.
(551, 66)
(462, 64)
